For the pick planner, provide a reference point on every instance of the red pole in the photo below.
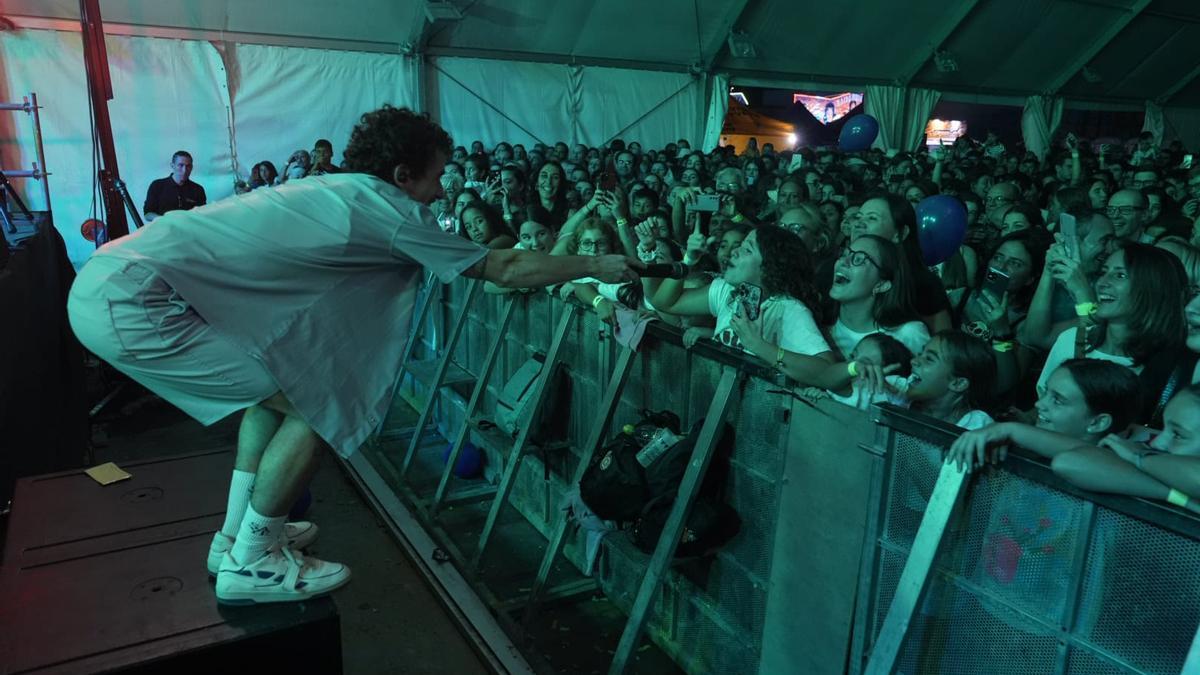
(95, 58)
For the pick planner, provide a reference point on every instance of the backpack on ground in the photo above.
(514, 407)
(615, 485)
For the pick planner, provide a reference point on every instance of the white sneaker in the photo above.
(282, 575)
(297, 536)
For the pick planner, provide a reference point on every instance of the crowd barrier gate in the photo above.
(808, 583)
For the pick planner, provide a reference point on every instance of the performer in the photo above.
(292, 306)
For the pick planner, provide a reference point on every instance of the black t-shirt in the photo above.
(165, 195)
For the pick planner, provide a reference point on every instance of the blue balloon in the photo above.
(470, 460)
(941, 227)
(858, 133)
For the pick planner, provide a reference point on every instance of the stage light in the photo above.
(792, 140)
(740, 45)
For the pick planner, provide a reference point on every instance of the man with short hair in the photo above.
(1000, 197)
(322, 157)
(242, 307)
(1127, 211)
(176, 192)
(624, 166)
(1144, 178)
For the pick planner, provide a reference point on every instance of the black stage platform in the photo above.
(112, 579)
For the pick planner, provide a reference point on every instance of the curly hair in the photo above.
(787, 267)
(391, 136)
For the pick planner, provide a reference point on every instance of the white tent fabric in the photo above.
(167, 95)
(173, 95)
(718, 107)
(285, 98)
(1039, 120)
(902, 113)
(1183, 125)
(493, 101)
(1154, 121)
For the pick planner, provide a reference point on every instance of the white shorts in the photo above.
(124, 313)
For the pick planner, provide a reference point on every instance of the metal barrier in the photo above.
(1016, 571)
(830, 504)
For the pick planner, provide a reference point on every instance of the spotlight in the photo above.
(740, 45)
(944, 61)
(792, 140)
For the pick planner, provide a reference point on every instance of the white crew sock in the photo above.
(256, 535)
(240, 488)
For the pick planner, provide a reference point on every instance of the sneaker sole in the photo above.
(251, 598)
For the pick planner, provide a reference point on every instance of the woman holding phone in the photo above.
(768, 288)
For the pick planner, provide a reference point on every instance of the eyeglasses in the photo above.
(858, 258)
(592, 245)
(997, 199)
(1122, 210)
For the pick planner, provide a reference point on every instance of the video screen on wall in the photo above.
(939, 132)
(829, 108)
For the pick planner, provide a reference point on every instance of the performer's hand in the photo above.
(614, 269)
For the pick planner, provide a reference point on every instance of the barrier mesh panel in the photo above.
(1005, 595)
(1144, 583)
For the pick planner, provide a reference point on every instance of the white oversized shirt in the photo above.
(316, 279)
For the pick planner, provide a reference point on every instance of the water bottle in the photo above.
(660, 442)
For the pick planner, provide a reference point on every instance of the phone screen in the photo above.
(1187, 161)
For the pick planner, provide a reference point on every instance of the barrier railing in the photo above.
(804, 587)
(1017, 571)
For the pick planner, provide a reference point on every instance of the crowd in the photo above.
(1068, 322)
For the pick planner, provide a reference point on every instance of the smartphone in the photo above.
(1070, 233)
(608, 181)
(797, 162)
(1187, 162)
(996, 283)
(705, 204)
(750, 298)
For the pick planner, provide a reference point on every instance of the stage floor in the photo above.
(391, 622)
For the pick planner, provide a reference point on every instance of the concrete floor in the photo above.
(391, 621)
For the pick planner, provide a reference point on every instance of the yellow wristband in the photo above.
(597, 300)
(737, 218)
(779, 358)
(1177, 498)
(1086, 309)
(1002, 346)
(622, 222)
(852, 368)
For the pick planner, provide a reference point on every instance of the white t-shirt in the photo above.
(1064, 350)
(316, 278)
(913, 335)
(784, 321)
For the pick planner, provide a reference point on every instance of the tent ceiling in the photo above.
(1140, 49)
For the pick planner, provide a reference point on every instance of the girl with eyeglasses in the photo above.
(873, 294)
(891, 217)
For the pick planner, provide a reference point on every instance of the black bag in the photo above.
(615, 486)
(710, 525)
(711, 522)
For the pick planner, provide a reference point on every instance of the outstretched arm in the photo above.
(523, 269)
